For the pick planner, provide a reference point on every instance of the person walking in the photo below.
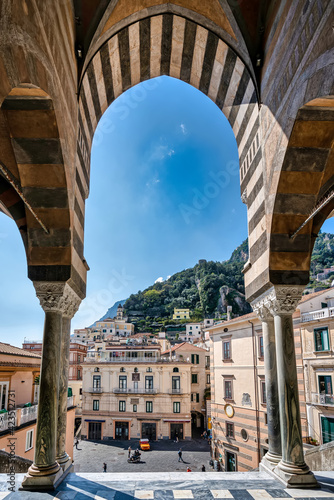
(104, 467)
(180, 455)
(129, 452)
(189, 469)
(203, 468)
(76, 443)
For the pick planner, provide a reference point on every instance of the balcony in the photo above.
(175, 391)
(8, 420)
(322, 399)
(119, 390)
(327, 312)
(95, 390)
(70, 401)
(29, 413)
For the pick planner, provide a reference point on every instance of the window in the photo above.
(195, 359)
(228, 389)
(175, 370)
(121, 406)
(195, 397)
(208, 378)
(122, 369)
(135, 370)
(149, 382)
(149, 369)
(79, 375)
(96, 404)
(194, 378)
(29, 439)
(226, 350)
(149, 406)
(134, 408)
(123, 381)
(79, 358)
(96, 369)
(176, 384)
(325, 389)
(176, 407)
(96, 381)
(80, 391)
(229, 430)
(207, 361)
(263, 393)
(261, 350)
(321, 339)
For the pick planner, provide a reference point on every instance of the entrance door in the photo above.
(327, 425)
(149, 431)
(231, 463)
(94, 431)
(176, 430)
(122, 430)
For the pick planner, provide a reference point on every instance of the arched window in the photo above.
(175, 369)
(135, 370)
(96, 369)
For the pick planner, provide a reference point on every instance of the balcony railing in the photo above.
(327, 312)
(119, 390)
(29, 413)
(322, 399)
(8, 420)
(95, 389)
(175, 391)
(70, 401)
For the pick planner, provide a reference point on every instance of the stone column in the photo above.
(71, 305)
(274, 455)
(45, 472)
(292, 469)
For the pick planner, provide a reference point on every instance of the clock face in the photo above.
(229, 410)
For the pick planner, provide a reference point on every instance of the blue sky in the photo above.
(164, 193)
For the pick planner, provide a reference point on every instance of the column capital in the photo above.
(57, 296)
(278, 300)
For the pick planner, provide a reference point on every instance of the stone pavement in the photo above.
(175, 485)
(162, 457)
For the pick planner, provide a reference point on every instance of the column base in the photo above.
(42, 478)
(270, 461)
(295, 476)
(65, 461)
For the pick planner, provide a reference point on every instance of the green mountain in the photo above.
(206, 289)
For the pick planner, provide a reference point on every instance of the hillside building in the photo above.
(181, 314)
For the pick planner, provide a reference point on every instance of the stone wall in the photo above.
(321, 457)
(19, 464)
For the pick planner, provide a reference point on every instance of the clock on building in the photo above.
(229, 410)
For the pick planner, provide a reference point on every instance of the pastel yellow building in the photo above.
(181, 314)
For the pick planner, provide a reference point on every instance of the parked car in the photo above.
(144, 444)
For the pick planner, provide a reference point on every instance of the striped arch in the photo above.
(40, 177)
(169, 44)
(306, 178)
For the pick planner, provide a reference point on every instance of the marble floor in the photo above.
(172, 485)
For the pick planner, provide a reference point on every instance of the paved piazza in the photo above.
(173, 485)
(163, 456)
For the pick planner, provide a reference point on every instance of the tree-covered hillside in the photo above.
(206, 289)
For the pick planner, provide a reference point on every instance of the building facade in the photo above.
(131, 392)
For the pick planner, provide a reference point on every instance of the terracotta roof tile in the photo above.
(16, 351)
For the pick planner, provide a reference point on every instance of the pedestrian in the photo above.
(180, 455)
(76, 443)
(205, 434)
(104, 467)
(129, 452)
(203, 468)
(189, 469)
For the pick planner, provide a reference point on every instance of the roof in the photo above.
(16, 351)
(183, 346)
(315, 294)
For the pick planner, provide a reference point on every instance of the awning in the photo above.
(176, 421)
(91, 420)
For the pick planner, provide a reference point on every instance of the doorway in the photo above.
(122, 430)
(94, 431)
(149, 431)
(230, 462)
(176, 431)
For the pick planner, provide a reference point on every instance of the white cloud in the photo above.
(160, 152)
(183, 129)
(152, 182)
(159, 280)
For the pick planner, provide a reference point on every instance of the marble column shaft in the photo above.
(46, 429)
(63, 388)
(292, 444)
(274, 433)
